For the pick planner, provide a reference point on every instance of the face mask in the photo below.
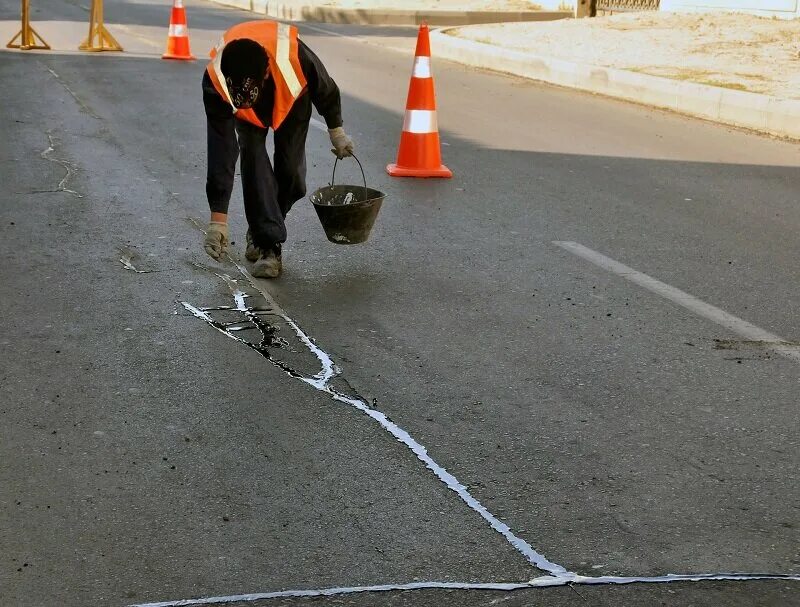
(243, 94)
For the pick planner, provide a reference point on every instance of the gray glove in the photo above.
(216, 242)
(342, 144)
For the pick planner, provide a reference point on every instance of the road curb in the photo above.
(773, 115)
(368, 16)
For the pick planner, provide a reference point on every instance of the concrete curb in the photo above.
(327, 14)
(763, 113)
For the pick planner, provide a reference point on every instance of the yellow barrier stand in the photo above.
(105, 41)
(28, 38)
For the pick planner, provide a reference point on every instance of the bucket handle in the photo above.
(363, 176)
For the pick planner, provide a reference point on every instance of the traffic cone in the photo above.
(419, 154)
(178, 41)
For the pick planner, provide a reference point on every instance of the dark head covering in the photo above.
(242, 59)
(244, 65)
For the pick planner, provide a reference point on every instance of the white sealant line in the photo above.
(126, 263)
(691, 303)
(583, 580)
(320, 382)
(63, 163)
(542, 582)
(452, 483)
(559, 576)
(336, 591)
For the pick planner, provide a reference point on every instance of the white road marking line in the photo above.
(683, 299)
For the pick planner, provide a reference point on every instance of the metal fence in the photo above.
(627, 5)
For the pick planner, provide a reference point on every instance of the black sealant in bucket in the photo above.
(347, 212)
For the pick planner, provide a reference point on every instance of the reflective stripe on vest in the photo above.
(283, 52)
(280, 41)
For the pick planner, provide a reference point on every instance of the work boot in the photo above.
(269, 264)
(251, 252)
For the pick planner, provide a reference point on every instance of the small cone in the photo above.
(419, 154)
(178, 40)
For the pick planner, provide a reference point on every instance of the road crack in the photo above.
(67, 166)
(555, 575)
(79, 101)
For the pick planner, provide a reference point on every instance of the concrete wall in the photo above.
(787, 9)
(555, 5)
(579, 8)
(310, 10)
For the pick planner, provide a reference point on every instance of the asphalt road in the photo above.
(146, 456)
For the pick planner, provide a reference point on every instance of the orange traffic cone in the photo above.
(420, 154)
(178, 41)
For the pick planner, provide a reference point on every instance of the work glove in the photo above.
(342, 144)
(216, 242)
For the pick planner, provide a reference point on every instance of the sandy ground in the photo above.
(737, 51)
(453, 5)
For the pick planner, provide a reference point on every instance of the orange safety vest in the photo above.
(280, 41)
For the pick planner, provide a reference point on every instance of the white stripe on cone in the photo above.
(422, 67)
(177, 31)
(420, 121)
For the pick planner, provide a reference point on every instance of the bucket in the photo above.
(347, 212)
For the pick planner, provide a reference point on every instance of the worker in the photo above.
(262, 76)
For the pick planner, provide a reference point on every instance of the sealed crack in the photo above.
(68, 167)
(322, 381)
(126, 259)
(546, 581)
(77, 99)
(557, 575)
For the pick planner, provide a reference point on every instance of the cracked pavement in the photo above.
(147, 457)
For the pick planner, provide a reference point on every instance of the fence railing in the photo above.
(627, 5)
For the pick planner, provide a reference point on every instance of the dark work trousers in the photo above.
(269, 190)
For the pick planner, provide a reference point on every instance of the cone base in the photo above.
(178, 57)
(396, 170)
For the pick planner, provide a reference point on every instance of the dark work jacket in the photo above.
(223, 148)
